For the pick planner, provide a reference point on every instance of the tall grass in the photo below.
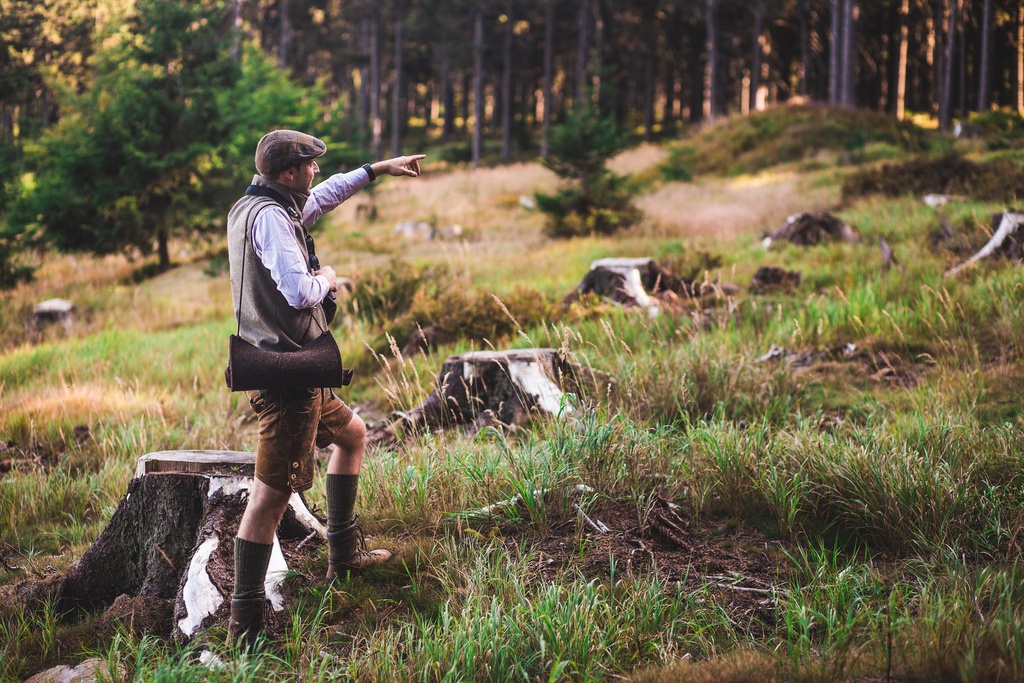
(898, 502)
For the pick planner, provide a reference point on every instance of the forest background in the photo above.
(871, 504)
(167, 98)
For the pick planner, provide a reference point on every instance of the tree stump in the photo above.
(629, 282)
(172, 538)
(642, 283)
(809, 228)
(771, 277)
(481, 388)
(53, 312)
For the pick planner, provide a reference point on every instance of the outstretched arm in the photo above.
(399, 166)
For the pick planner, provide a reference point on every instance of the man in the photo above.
(279, 291)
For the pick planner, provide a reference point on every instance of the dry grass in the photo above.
(724, 209)
(638, 159)
(479, 199)
(82, 403)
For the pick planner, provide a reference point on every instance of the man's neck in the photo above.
(296, 196)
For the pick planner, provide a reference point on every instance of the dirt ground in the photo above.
(740, 564)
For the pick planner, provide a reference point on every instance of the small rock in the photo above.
(527, 202)
(450, 232)
(420, 230)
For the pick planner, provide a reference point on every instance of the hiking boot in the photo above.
(347, 551)
(249, 618)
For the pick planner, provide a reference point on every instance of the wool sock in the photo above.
(341, 499)
(251, 562)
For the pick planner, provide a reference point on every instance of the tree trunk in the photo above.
(285, 36)
(363, 93)
(506, 84)
(849, 62)
(478, 84)
(447, 95)
(962, 64)
(397, 111)
(1020, 60)
(805, 48)
(162, 250)
(582, 50)
(169, 541)
(650, 53)
(835, 63)
(697, 72)
(376, 124)
(711, 70)
(549, 51)
(668, 121)
(937, 50)
(901, 71)
(985, 68)
(236, 35)
(753, 102)
(946, 105)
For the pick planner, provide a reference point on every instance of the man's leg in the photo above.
(345, 551)
(253, 546)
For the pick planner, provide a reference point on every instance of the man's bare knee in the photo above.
(353, 436)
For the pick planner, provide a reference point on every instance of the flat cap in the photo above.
(280, 150)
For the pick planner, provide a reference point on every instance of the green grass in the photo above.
(892, 480)
(814, 135)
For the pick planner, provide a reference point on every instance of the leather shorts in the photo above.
(290, 424)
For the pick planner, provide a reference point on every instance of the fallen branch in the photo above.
(596, 525)
(1008, 226)
(514, 501)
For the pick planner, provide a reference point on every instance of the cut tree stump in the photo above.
(772, 277)
(172, 538)
(53, 312)
(628, 282)
(641, 283)
(813, 228)
(1004, 240)
(500, 388)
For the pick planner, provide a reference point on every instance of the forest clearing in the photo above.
(693, 353)
(845, 507)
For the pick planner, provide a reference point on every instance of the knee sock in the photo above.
(341, 499)
(251, 562)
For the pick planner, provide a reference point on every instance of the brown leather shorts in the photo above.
(290, 423)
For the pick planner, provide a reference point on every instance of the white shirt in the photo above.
(273, 238)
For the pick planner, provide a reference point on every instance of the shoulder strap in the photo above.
(260, 191)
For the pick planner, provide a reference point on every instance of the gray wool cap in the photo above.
(280, 150)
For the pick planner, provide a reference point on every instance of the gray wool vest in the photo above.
(265, 318)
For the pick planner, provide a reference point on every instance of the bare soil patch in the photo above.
(738, 562)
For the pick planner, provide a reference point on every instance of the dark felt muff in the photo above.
(316, 365)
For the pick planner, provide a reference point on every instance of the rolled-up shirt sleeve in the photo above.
(273, 238)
